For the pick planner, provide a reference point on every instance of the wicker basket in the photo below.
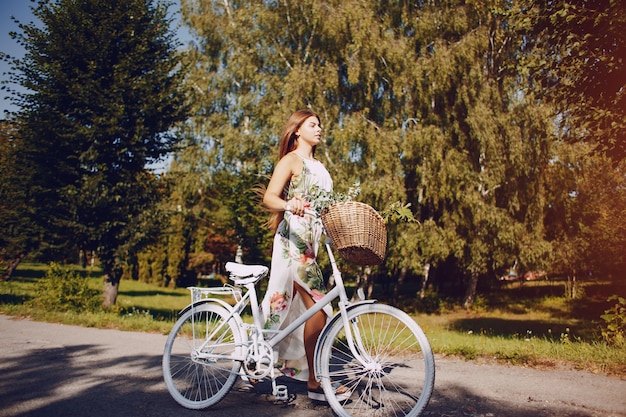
(357, 231)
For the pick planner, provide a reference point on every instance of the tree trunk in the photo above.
(396, 290)
(11, 265)
(361, 283)
(112, 277)
(369, 279)
(470, 293)
(82, 258)
(109, 291)
(425, 281)
(571, 285)
(133, 266)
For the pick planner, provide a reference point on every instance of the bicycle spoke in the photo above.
(198, 363)
(390, 372)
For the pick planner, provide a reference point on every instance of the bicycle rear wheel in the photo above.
(396, 375)
(199, 365)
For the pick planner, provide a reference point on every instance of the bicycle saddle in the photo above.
(245, 271)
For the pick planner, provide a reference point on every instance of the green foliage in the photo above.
(573, 53)
(63, 289)
(614, 330)
(322, 199)
(104, 86)
(588, 225)
(151, 265)
(461, 145)
(465, 351)
(515, 357)
(482, 118)
(18, 232)
(398, 212)
(431, 303)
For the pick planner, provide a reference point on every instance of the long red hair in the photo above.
(288, 138)
(288, 144)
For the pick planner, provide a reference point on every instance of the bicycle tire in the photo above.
(399, 374)
(194, 381)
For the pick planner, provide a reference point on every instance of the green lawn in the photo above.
(532, 325)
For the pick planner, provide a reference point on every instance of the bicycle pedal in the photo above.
(281, 393)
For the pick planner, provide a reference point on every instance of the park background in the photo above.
(499, 126)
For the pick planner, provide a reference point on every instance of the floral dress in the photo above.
(294, 256)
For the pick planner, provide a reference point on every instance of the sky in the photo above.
(20, 9)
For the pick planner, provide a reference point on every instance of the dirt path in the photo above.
(56, 370)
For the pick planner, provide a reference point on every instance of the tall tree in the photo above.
(104, 84)
(575, 55)
(419, 102)
(587, 214)
(18, 231)
(476, 144)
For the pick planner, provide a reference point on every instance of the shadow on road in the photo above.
(76, 381)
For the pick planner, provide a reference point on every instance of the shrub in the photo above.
(614, 329)
(63, 289)
(430, 304)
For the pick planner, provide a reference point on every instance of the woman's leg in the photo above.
(312, 329)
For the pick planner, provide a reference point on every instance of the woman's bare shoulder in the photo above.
(291, 160)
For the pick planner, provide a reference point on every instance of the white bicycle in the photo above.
(376, 351)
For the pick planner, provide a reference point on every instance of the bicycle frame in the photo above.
(338, 291)
(274, 337)
(377, 352)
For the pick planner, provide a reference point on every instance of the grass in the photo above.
(549, 351)
(533, 325)
(140, 306)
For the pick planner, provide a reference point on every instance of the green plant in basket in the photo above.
(394, 212)
(321, 199)
(398, 211)
(356, 229)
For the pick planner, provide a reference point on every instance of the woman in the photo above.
(296, 281)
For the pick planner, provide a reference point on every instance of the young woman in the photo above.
(296, 281)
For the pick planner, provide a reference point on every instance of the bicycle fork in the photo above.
(353, 336)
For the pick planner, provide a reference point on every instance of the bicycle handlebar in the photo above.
(307, 211)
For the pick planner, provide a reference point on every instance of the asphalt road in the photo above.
(56, 370)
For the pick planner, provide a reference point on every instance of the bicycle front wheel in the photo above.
(199, 361)
(391, 371)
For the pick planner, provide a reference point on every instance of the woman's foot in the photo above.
(250, 381)
(342, 393)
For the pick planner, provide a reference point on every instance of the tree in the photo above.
(18, 231)
(573, 58)
(420, 102)
(574, 52)
(191, 212)
(104, 86)
(587, 215)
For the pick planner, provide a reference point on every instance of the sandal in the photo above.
(342, 393)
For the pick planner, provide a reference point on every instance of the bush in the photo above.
(614, 331)
(430, 304)
(63, 289)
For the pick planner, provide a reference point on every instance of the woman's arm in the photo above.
(286, 168)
